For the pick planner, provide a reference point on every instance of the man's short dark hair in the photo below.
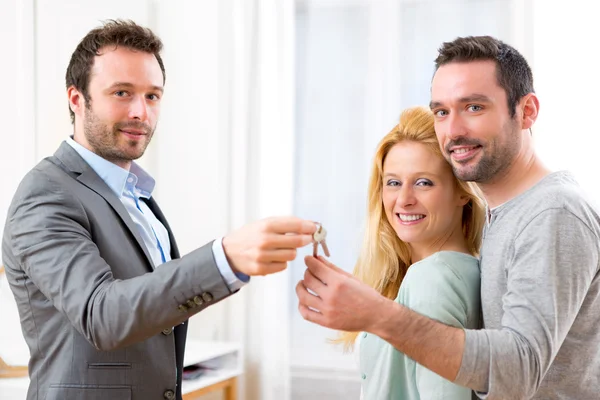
(113, 33)
(512, 70)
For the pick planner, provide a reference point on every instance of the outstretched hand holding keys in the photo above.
(266, 246)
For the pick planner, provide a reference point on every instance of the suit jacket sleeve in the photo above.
(49, 237)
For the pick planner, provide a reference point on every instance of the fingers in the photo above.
(285, 232)
(307, 299)
(334, 267)
(311, 315)
(313, 283)
(277, 255)
(318, 269)
(282, 255)
(289, 225)
(264, 247)
(289, 241)
(269, 268)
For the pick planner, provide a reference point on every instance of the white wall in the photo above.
(565, 77)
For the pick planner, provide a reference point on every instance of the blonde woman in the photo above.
(422, 238)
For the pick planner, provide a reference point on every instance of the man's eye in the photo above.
(121, 93)
(475, 108)
(440, 113)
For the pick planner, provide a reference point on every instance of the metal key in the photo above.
(319, 239)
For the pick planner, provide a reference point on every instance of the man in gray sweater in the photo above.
(540, 284)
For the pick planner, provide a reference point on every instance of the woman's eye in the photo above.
(393, 183)
(424, 182)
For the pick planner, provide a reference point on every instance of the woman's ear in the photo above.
(463, 199)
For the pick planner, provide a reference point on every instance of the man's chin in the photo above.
(136, 156)
(124, 156)
(133, 152)
(466, 173)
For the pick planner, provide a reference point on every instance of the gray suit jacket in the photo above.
(95, 314)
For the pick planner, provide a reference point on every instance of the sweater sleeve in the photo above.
(547, 282)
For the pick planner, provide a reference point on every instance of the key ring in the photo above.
(319, 239)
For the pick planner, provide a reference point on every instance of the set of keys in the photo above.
(319, 239)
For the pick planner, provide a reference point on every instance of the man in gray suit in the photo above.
(89, 256)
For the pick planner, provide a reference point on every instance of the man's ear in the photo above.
(76, 100)
(530, 107)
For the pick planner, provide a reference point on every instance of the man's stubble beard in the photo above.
(104, 141)
(495, 159)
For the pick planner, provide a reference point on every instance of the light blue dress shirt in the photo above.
(133, 185)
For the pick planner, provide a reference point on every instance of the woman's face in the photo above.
(420, 198)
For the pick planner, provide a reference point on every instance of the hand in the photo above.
(343, 302)
(264, 247)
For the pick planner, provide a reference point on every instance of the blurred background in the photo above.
(275, 107)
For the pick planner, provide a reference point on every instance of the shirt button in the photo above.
(207, 296)
(364, 376)
(167, 331)
(169, 394)
(129, 180)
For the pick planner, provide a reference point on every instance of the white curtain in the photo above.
(262, 155)
(235, 57)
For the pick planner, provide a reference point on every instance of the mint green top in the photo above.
(445, 287)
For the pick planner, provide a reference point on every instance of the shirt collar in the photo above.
(114, 176)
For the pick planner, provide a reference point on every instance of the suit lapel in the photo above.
(180, 330)
(81, 170)
(153, 206)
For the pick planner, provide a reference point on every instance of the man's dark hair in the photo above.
(113, 33)
(512, 70)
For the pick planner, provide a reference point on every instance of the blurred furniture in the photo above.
(225, 366)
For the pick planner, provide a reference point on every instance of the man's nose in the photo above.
(138, 109)
(455, 127)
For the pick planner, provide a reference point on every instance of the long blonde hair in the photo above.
(384, 258)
